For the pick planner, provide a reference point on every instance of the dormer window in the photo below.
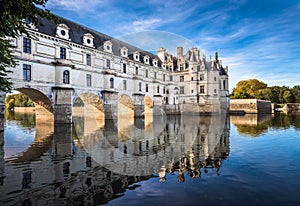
(136, 56)
(107, 46)
(155, 62)
(146, 59)
(88, 40)
(62, 31)
(124, 52)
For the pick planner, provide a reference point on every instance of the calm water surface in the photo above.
(187, 160)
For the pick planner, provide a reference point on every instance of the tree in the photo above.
(248, 89)
(13, 15)
(296, 92)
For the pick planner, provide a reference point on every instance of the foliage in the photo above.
(13, 15)
(18, 100)
(254, 88)
(246, 89)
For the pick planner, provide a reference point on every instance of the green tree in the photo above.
(13, 14)
(288, 96)
(248, 89)
(296, 92)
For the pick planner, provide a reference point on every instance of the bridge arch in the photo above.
(38, 97)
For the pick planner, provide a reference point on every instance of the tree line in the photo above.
(253, 88)
(18, 100)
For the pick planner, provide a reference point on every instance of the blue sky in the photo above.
(255, 38)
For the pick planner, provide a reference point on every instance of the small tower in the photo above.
(216, 57)
(161, 53)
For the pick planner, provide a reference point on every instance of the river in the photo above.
(171, 160)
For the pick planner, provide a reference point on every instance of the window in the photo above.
(154, 75)
(181, 90)
(201, 77)
(224, 84)
(111, 81)
(192, 91)
(140, 86)
(147, 90)
(108, 63)
(171, 78)
(192, 78)
(201, 89)
(124, 85)
(26, 45)
(66, 77)
(88, 59)
(164, 90)
(215, 91)
(62, 53)
(181, 78)
(146, 73)
(215, 78)
(26, 72)
(124, 68)
(157, 89)
(136, 70)
(88, 80)
(164, 77)
(181, 67)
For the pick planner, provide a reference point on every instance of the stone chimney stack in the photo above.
(179, 52)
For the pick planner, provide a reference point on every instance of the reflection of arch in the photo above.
(37, 97)
(126, 101)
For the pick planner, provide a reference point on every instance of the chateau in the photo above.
(61, 62)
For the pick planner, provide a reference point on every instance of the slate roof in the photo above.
(77, 31)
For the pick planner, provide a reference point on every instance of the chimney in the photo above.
(179, 51)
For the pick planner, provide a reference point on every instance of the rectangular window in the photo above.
(147, 88)
(157, 89)
(26, 45)
(192, 91)
(201, 89)
(164, 77)
(215, 91)
(192, 78)
(107, 63)
(201, 77)
(26, 72)
(181, 90)
(215, 78)
(146, 73)
(88, 59)
(124, 68)
(181, 78)
(164, 90)
(171, 78)
(140, 86)
(136, 70)
(124, 85)
(62, 53)
(154, 75)
(88, 80)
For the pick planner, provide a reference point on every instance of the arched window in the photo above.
(111, 82)
(66, 77)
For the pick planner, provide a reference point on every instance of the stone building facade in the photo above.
(59, 62)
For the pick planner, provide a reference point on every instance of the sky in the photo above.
(255, 38)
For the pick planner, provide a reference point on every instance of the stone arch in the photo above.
(38, 97)
(88, 116)
(125, 117)
(43, 105)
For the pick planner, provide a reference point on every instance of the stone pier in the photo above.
(139, 105)
(62, 108)
(110, 101)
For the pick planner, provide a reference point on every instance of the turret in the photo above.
(161, 54)
(179, 52)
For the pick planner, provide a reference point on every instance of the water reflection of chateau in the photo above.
(68, 170)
